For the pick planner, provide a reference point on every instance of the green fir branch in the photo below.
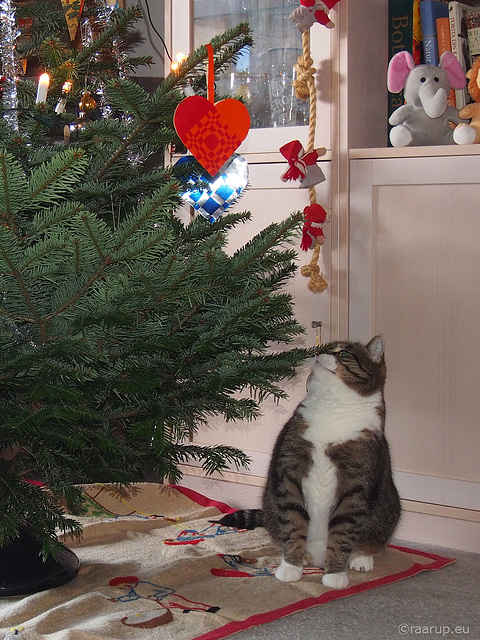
(122, 328)
(52, 180)
(13, 189)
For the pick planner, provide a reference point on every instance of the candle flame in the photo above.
(180, 57)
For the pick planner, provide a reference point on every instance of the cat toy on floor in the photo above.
(14, 634)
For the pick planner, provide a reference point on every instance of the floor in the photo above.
(433, 605)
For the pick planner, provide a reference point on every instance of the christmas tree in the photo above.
(122, 329)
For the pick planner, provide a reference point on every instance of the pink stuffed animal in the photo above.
(426, 118)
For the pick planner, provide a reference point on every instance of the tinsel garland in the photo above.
(105, 10)
(9, 64)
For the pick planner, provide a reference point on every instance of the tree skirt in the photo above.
(150, 558)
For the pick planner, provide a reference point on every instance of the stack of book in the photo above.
(427, 28)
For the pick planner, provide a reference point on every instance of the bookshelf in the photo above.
(361, 47)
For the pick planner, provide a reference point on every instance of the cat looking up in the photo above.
(330, 496)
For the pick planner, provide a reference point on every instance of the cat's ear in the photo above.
(376, 348)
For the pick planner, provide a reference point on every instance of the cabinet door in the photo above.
(271, 201)
(414, 265)
(263, 77)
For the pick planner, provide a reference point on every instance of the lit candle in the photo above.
(180, 58)
(61, 104)
(43, 83)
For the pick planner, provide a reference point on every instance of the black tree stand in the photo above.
(23, 571)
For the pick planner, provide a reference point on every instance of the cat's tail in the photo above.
(243, 519)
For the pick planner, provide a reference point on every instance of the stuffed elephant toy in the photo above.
(426, 118)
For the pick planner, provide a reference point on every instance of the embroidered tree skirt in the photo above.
(150, 558)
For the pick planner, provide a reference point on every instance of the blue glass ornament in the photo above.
(212, 196)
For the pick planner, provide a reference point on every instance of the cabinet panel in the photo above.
(414, 278)
(263, 77)
(263, 74)
(270, 200)
(363, 53)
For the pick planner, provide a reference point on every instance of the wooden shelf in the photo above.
(416, 152)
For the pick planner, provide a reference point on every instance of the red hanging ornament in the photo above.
(211, 132)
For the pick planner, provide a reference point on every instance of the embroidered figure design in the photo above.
(165, 597)
(192, 536)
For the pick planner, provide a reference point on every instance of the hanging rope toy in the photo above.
(315, 215)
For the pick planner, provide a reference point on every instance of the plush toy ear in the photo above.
(398, 69)
(454, 70)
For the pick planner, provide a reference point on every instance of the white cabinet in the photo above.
(408, 226)
(269, 200)
(414, 264)
(277, 43)
(401, 259)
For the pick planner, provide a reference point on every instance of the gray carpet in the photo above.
(431, 605)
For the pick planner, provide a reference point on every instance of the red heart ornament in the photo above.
(211, 132)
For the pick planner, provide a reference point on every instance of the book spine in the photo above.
(444, 44)
(430, 10)
(417, 40)
(430, 49)
(401, 38)
(400, 28)
(458, 38)
(473, 35)
(458, 34)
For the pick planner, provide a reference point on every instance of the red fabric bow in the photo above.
(297, 159)
(319, 9)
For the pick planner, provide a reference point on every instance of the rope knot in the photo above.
(311, 270)
(308, 270)
(305, 72)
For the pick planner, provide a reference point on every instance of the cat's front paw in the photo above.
(287, 572)
(335, 580)
(361, 563)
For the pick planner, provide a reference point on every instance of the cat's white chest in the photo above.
(319, 491)
(320, 485)
(334, 415)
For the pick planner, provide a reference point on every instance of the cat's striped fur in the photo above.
(330, 497)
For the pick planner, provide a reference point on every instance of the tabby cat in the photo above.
(330, 495)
